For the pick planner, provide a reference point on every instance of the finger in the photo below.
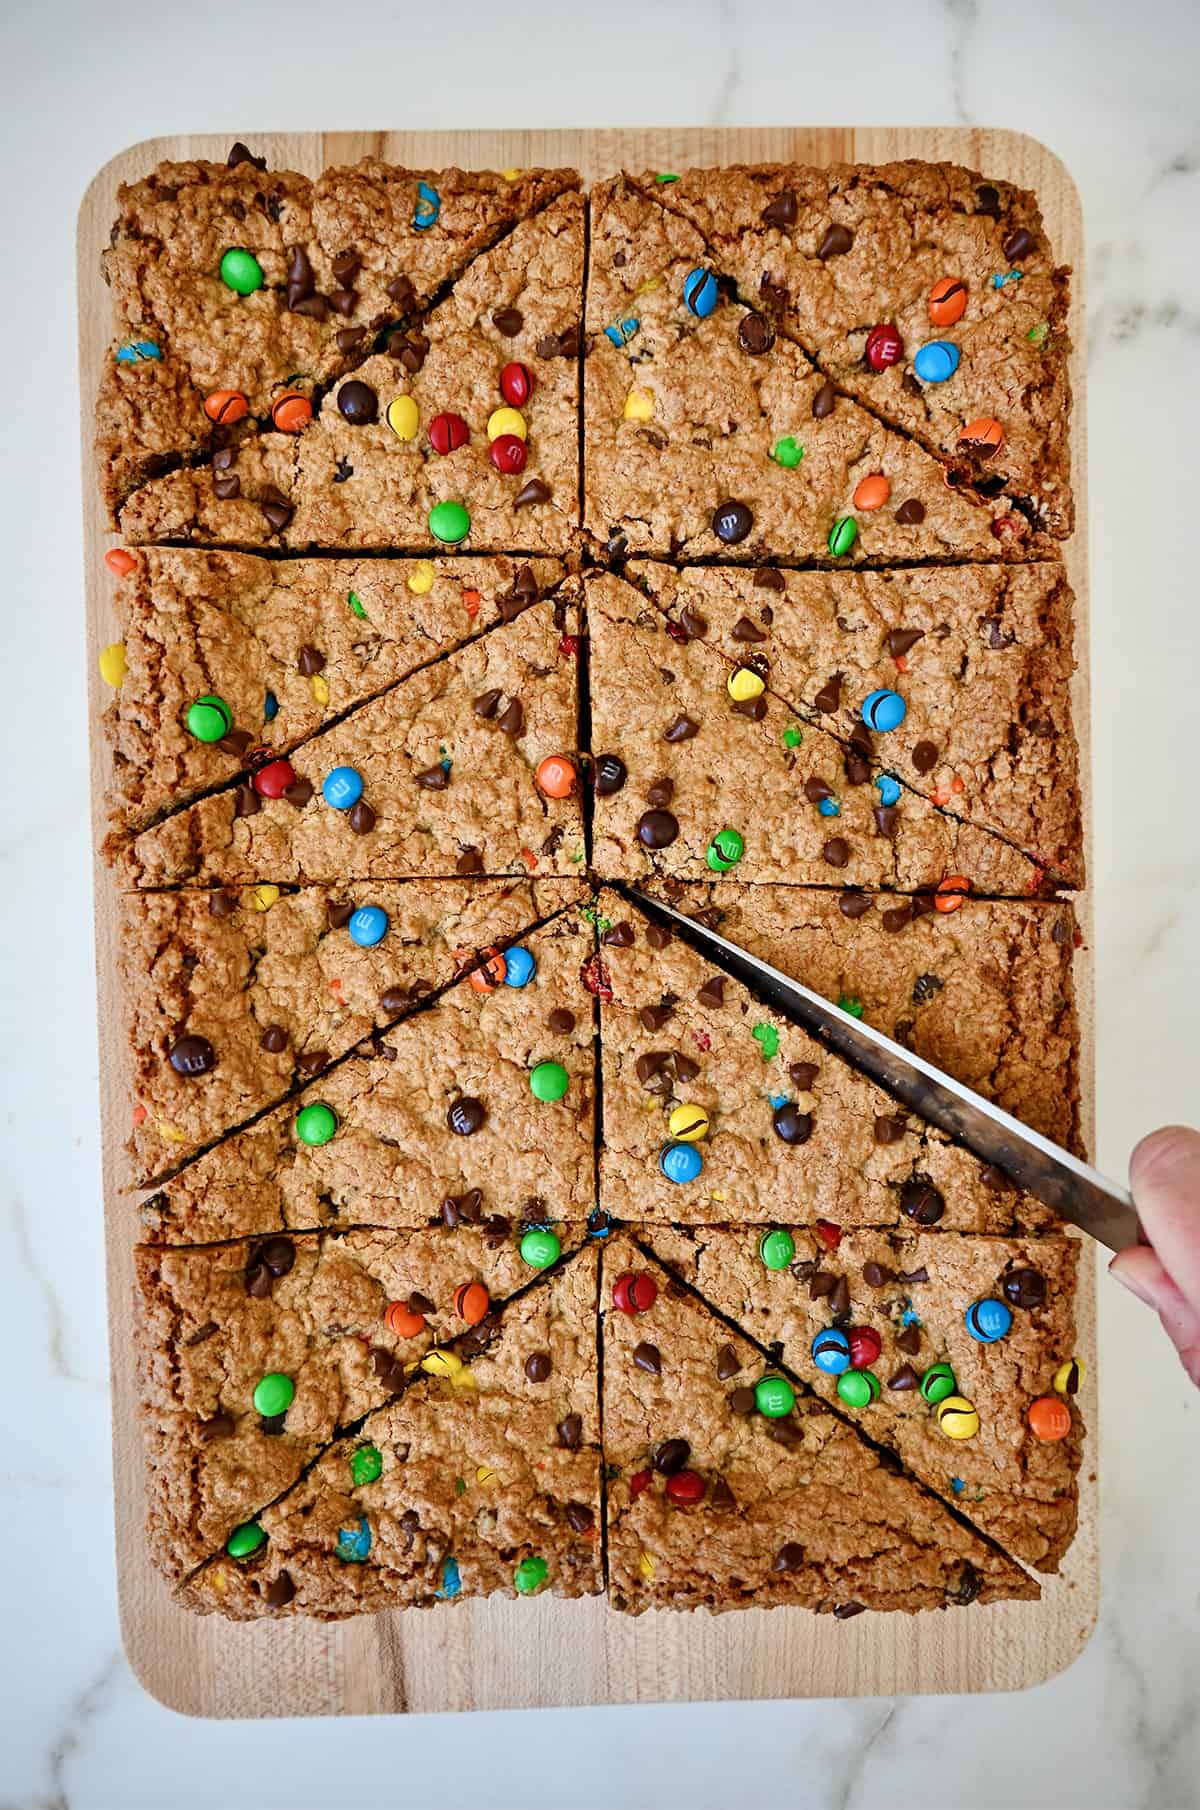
(1144, 1276)
(1165, 1176)
(1140, 1271)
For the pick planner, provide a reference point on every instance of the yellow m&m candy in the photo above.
(1069, 1376)
(957, 1417)
(688, 1123)
(639, 406)
(442, 1363)
(403, 417)
(506, 421)
(112, 664)
(745, 684)
(422, 578)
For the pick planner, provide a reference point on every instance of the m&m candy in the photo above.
(507, 454)
(957, 1417)
(245, 1539)
(987, 1320)
(681, 1163)
(889, 789)
(639, 406)
(354, 1543)
(936, 360)
(700, 291)
(1049, 1418)
(403, 417)
(491, 972)
(113, 664)
(787, 452)
(774, 1397)
(725, 850)
(366, 1465)
(1069, 1376)
(427, 208)
(634, 1292)
(842, 536)
(516, 384)
(519, 967)
(688, 1123)
(884, 710)
(316, 1124)
(471, 1302)
(120, 561)
(982, 437)
(865, 1347)
(549, 1081)
(273, 1394)
(530, 1575)
(273, 780)
(368, 926)
(403, 1320)
(208, 719)
(506, 421)
(685, 1487)
(540, 1248)
(947, 301)
(449, 523)
(342, 787)
(291, 412)
(138, 352)
(745, 684)
(776, 1249)
(858, 1388)
(831, 1351)
(872, 492)
(556, 776)
(884, 347)
(447, 433)
(937, 1383)
(226, 406)
(951, 892)
(241, 271)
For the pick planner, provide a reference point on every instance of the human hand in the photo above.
(1164, 1173)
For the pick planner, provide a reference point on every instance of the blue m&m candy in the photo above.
(987, 1320)
(519, 967)
(884, 710)
(831, 1352)
(138, 351)
(354, 1543)
(936, 360)
(368, 926)
(429, 206)
(889, 789)
(342, 788)
(621, 332)
(681, 1162)
(270, 707)
(700, 291)
(829, 807)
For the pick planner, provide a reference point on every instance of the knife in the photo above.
(1069, 1187)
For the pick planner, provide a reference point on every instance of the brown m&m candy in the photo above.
(192, 1056)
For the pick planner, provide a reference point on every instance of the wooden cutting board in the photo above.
(521, 1654)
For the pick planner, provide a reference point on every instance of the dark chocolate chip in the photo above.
(511, 720)
(889, 1128)
(274, 1039)
(925, 987)
(299, 792)
(648, 1357)
(280, 1591)
(792, 1126)
(533, 492)
(240, 153)
(469, 862)
(909, 1340)
(579, 1517)
(300, 280)
(911, 513)
(837, 241)
(658, 936)
(728, 1363)
(967, 1588)
(1025, 1288)
(920, 1201)
(311, 660)
(220, 1426)
(896, 919)
(782, 210)
(855, 904)
(924, 757)
(402, 292)
(987, 200)
(433, 779)
(570, 1431)
(226, 485)
(277, 511)
(485, 704)
(222, 904)
(712, 993)
(657, 829)
(885, 816)
(876, 1275)
(790, 1557)
(682, 729)
(755, 334)
(746, 630)
(358, 403)
(830, 695)
(721, 1497)
(900, 640)
(660, 792)
(836, 852)
(847, 1611)
(742, 1401)
(1018, 243)
(839, 1299)
(816, 789)
(538, 1366)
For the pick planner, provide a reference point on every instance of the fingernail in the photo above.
(1140, 1273)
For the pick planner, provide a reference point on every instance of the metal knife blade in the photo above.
(1069, 1187)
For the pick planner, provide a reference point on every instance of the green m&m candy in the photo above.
(858, 1388)
(530, 1575)
(937, 1383)
(245, 1539)
(549, 1081)
(316, 1124)
(774, 1397)
(208, 719)
(787, 452)
(366, 1464)
(842, 536)
(449, 523)
(540, 1248)
(776, 1249)
(241, 271)
(725, 851)
(274, 1394)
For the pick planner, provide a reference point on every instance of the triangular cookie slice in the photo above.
(707, 434)
(233, 284)
(406, 452)
(957, 685)
(224, 650)
(927, 291)
(235, 997)
(448, 1119)
(717, 1109)
(700, 762)
(468, 766)
(483, 1479)
(253, 1354)
(910, 1318)
(728, 1487)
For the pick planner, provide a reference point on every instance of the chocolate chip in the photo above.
(653, 1018)
(358, 403)
(857, 769)
(658, 936)
(754, 708)
(727, 1363)
(816, 789)
(745, 630)
(846, 1611)
(755, 334)
(802, 1075)
(876, 1275)
(192, 1056)
(280, 1591)
(830, 695)
(235, 742)
(967, 1588)
(671, 1457)
(299, 793)
(240, 153)
(570, 1431)
(987, 200)
(820, 1284)
(647, 1357)
(660, 792)
(311, 1062)
(511, 720)
(925, 987)
(300, 280)
(433, 779)
(465, 1116)
(650, 1065)
(889, 1129)
(485, 704)
(1018, 243)
(742, 1401)
(274, 1039)
(395, 999)
(791, 1126)
(1025, 1288)
(900, 640)
(246, 802)
(782, 210)
(226, 485)
(538, 1366)
(921, 1201)
(579, 1517)
(712, 993)
(222, 904)
(855, 904)
(823, 401)
(885, 816)
(344, 301)
(657, 829)
(533, 492)
(731, 522)
(721, 1497)
(839, 1299)
(836, 852)
(277, 511)
(896, 919)
(220, 1426)
(681, 730)
(924, 757)
(685, 1068)
(790, 1557)
(311, 660)
(909, 1339)
(837, 241)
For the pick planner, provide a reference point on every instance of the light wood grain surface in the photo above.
(500, 1654)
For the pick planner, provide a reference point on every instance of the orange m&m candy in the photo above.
(119, 561)
(291, 412)
(226, 406)
(951, 892)
(556, 776)
(947, 301)
(1049, 1417)
(490, 973)
(982, 437)
(471, 1302)
(403, 1321)
(872, 492)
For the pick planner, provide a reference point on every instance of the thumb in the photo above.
(1164, 1174)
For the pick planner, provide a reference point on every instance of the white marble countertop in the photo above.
(1112, 89)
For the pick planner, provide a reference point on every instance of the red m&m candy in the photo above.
(638, 1482)
(884, 347)
(865, 1346)
(516, 384)
(273, 780)
(507, 453)
(634, 1294)
(685, 1486)
(447, 433)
